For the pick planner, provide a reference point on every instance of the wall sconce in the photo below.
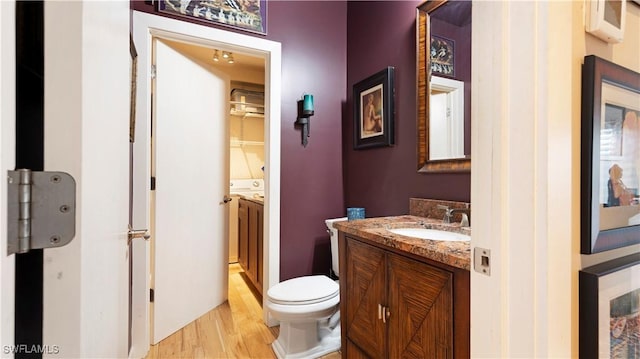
(305, 111)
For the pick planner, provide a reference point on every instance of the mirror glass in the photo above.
(444, 86)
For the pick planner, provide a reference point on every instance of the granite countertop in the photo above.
(455, 254)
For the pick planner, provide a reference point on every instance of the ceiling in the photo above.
(205, 54)
(454, 12)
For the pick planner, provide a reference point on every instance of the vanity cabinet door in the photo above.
(243, 234)
(421, 305)
(259, 213)
(365, 287)
(250, 240)
(253, 242)
(394, 306)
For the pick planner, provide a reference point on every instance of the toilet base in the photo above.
(300, 340)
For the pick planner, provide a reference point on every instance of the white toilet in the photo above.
(308, 311)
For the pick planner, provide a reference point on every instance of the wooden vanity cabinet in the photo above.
(243, 233)
(397, 305)
(250, 239)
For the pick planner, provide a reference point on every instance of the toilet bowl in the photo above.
(308, 311)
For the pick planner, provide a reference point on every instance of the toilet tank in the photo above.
(334, 242)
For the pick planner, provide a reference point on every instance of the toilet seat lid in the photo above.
(304, 290)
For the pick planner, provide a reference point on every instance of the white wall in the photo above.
(247, 147)
(242, 73)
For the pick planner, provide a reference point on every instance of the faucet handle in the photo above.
(447, 213)
(465, 220)
(466, 216)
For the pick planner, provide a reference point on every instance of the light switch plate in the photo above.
(482, 260)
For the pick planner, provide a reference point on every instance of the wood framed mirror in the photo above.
(443, 57)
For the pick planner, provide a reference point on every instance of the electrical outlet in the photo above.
(482, 260)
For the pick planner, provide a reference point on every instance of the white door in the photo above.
(190, 164)
(86, 127)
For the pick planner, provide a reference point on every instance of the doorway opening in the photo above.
(147, 27)
(216, 119)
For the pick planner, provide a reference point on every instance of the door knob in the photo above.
(227, 199)
(137, 233)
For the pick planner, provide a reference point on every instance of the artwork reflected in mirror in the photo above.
(442, 56)
(444, 86)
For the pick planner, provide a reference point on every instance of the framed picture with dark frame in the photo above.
(442, 54)
(248, 15)
(610, 174)
(609, 314)
(373, 110)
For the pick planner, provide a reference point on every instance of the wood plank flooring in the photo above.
(232, 330)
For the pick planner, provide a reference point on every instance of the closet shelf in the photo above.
(246, 143)
(246, 103)
(246, 114)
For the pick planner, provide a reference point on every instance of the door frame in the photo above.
(7, 161)
(145, 27)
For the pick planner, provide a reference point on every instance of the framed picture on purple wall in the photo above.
(442, 56)
(373, 110)
(248, 15)
(609, 314)
(610, 178)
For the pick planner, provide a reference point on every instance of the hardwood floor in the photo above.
(232, 330)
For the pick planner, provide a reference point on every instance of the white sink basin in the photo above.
(432, 234)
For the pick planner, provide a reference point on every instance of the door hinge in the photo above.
(151, 295)
(41, 210)
(153, 71)
(153, 183)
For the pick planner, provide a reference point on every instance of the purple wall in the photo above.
(314, 60)
(320, 54)
(380, 34)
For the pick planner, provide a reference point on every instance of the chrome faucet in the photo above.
(449, 212)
